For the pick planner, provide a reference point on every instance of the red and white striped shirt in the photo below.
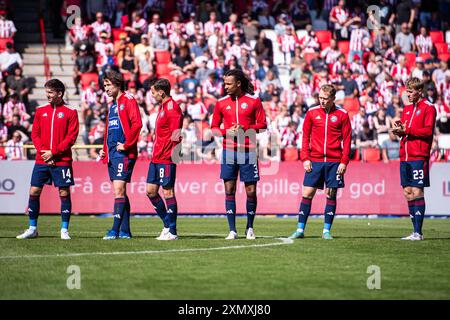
(88, 96)
(210, 27)
(99, 27)
(357, 67)
(7, 29)
(330, 55)
(228, 28)
(153, 26)
(338, 67)
(9, 107)
(172, 26)
(78, 32)
(341, 15)
(14, 150)
(424, 44)
(357, 38)
(399, 73)
(196, 110)
(386, 91)
(305, 90)
(287, 42)
(308, 43)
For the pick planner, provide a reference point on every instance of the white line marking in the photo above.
(82, 254)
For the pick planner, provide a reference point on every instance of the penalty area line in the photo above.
(281, 241)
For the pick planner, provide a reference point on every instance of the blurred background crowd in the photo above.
(288, 49)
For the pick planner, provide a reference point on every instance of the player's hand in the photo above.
(341, 169)
(307, 165)
(51, 163)
(120, 147)
(47, 155)
(232, 131)
(102, 154)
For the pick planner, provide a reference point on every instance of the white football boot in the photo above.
(30, 233)
(232, 236)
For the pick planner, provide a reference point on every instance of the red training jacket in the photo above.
(419, 121)
(130, 119)
(55, 129)
(167, 131)
(246, 110)
(326, 136)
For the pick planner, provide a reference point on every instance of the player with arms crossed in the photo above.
(162, 168)
(55, 130)
(325, 153)
(239, 112)
(120, 149)
(416, 129)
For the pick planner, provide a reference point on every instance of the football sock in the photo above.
(66, 209)
(160, 208)
(125, 226)
(119, 209)
(172, 211)
(303, 213)
(230, 206)
(251, 210)
(330, 212)
(411, 207)
(419, 213)
(33, 211)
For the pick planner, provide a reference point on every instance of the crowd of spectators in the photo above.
(15, 110)
(288, 48)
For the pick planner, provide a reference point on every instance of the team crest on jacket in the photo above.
(244, 105)
(60, 115)
(418, 112)
(122, 107)
(334, 119)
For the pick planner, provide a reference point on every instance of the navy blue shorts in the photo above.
(324, 172)
(163, 175)
(244, 163)
(61, 177)
(415, 173)
(121, 169)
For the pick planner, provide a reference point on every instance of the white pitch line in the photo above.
(82, 254)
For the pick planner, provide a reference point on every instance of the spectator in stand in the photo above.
(400, 72)
(212, 23)
(10, 59)
(367, 137)
(349, 85)
(141, 48)
(265, 20)
(390, 148)
(405, 14)
(199, 47)
(14, 147)
(190, 84)
(159, 41)
(88, 98)
(424, 43)
(100, 25)
(13, 107)
(7, 27)
(405, 39)
(300, 14)
(18, 84)
(120, 46)
(96, 136)
(138, 27)
(128, 66)
(381, 36)
(386, 15)
(101, 48)
(289, 136)
(359, 119)
(340, 17)
(263, 48)
(417, 71)
(193, 24)
(249, 27)
(283, 23)
(17, 126)
(84, 63)
(182, 60)
(359, 39)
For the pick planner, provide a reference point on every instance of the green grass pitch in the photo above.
(200, 267)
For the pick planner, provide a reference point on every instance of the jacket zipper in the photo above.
(325, 143)
(409, 126)
(237, 111)
(51, 130)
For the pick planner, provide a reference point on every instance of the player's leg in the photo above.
(66, 210)
(312, 181)
(333, 182)
(172, 212)
(230, 207)
(119, 187)
(159, 206)
(304, 211)
(40, 176)
(330, 212)
(249, 174)
(125, 230)
(414, 177)
(33, 213)
(228, 173)
(250, 189)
